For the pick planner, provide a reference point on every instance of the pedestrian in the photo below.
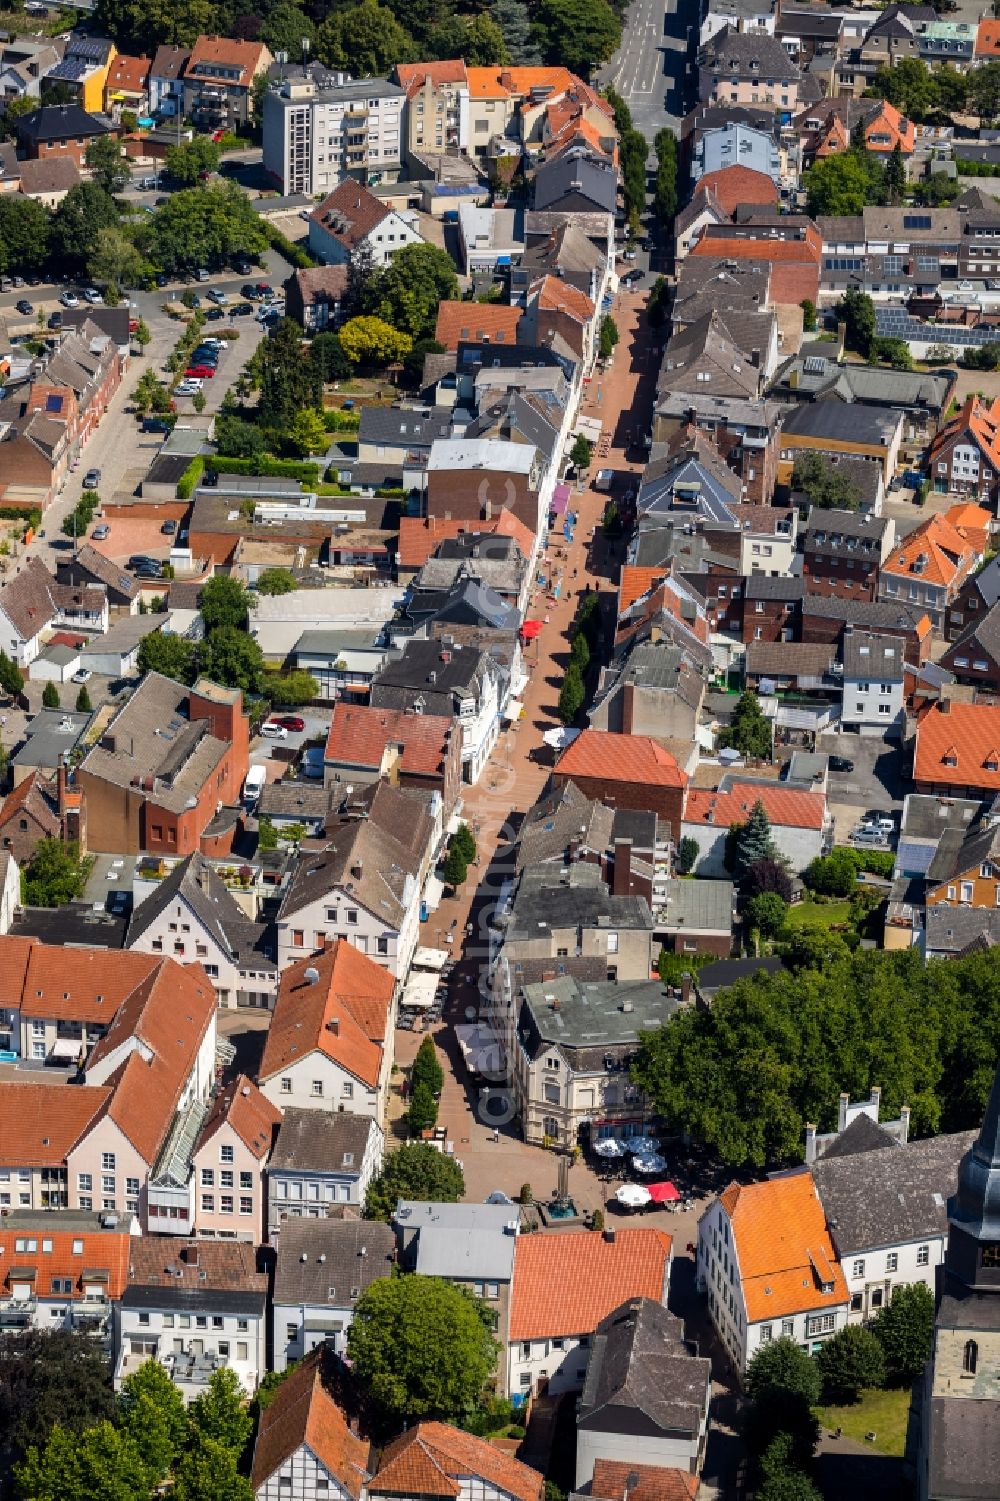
(496, 1134)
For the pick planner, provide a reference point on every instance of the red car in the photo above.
(202, 372)
(264, 288)
(293, 722)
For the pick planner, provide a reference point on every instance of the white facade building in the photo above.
(315, 136)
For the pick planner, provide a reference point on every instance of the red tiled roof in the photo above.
(129, 73)
(91, 989)
(249, 1113)
(419, 536)
(413, 76)
(566, 1284)
(14, 956)
(735, 185)
(956, 745)
(40, 1123)
(359, 735)
(303, 1412)
(635, 582)
(342, 1014)
(977, 420)
(620, 758)
(434, 1459)
(937, 552)
(29, 798)
(213, 52)
(613, 1481)
(988, 38)
(99, 1250)
(559, 296)
(507, 83)
(785, 806)
(797, 261)
(783, 1247)
(483, 322)
(195, 1265)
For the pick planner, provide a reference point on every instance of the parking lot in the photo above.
(875, 782)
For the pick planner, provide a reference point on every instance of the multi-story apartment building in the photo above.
(315, 134)
(437, 109)
(219, 79)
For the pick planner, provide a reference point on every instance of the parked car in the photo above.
(161, 279)
(214, 314)
(155, 425)
(82, 675)
(188, 387)
(272, 730)
(24, 306)
(55, 320)
(139, 558)
(631, 278)
(241, 310)
(200, 372)
(219, 298)
(868, 838)
(151, 570)
(100, 532)
(249, 291)
(840, 763)
(264, 289)
(92, 479)
(242, 267)
(146, 185)
(92, 295)
(168, 528)
(201, 274)
(293, 722)
(69, 299)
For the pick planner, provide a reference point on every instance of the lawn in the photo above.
(807, 914)
(883, 1413)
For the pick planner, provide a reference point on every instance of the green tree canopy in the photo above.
(838, 184)
(192, 160)
(230, 657)
(372, 342)
(237, 439)
(753, 841)
(115, 262)
(421, 1347)
(285, 27)
(455, 867)
(77, 223)
(366, 38)
(207, 1471)
(824, 484)
(11, 676)
(288, 378)
(858, 313)
(407, 292)
(49, 1378)
(224, 601)
(55, 874)
(834, 874)
(202, 226)
(151, 1411)
(687, 855)
(608, 337)
(101, 1461)
(50, 696)
(288, 689)
(415, 1171)
(25, 229)
(766, 914)
(108, 167)
(781, 1369)
(905, 1330)
(750, 731)
(514, 22)
(276, 581)
(571, 694)
(173, 656)
(221, 1413)
(306, 434)
(576, 34)
(426, 1068)
(850, 1362)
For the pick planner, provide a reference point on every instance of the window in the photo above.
(923, 1255)
(226, 1203)
(246, 1180)
(208, 1177)
(766, 1333)
(787, 1328)
(382, 945)
(891, 1261)
(317, 1088)
(858, 1269)
(347, 1090)
(108, 1162)
(144, 1320)
(242, 1349)
(208, 1203)
(298, 938)
(352, 916)
(225, 1179)
(246, 1204)
(84, 1182)
(612, 943)
(225, 1154)
(970, 1357)
(286, 1085)
(108, 1184)
(242, 1326)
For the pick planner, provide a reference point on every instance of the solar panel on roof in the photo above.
(814, 365)
(916, 221)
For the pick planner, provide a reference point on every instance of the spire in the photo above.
(976, 1208)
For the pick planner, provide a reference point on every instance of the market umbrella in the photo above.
(651, 1162)
(530, 629)
(663, 1193)
(642, 1145)
(609, 1146)
(632, 1195)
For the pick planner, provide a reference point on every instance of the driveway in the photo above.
(876, 781)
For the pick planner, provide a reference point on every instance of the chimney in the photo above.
(904, 1123)
(842, 1111)
(573, 851)
(944, 706)
(61, 785)
(609, 1234)
(686, 988)
(810, 1144)
(621, 876)
(357, 870)
(876, 1098)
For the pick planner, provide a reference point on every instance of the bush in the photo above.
(766, 914)
(307, 474)
(50, 696)
(835, 874)
(295, 255)
(571, 695)
(426, 1069)
(687, 853)
(191, 478)
(526, 1196)
(905, 1330)
(423, 1111)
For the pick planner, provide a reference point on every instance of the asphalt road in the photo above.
(649, 69)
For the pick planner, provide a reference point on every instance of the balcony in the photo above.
(16, 1313)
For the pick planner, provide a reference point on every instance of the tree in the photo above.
(276, 581)
(455, 867)
(571, 695)
(202, 226)
(824, 484)
(834, 874)
(224, 602)
(236, 439)
(750, 731)
(837, 184)
(373, 343)
(782, 1477)
(687, 853)
(905, 1330)
(849, 1363)
(83, 704)
(632, 153)
(24, 235)
(422, 1112)
(464, 839)
(784, 1385)
(766, 913)
(894, 352)
(665, 187)
(77, 223)
(221, 1413)
(326, 355)
(408, 292)
(108, 167)
(515, 24)
(366, 38)
(485, 44)
(426, 1069)
(288, 689)
(144, 24)
(580, 651)
(421, 1348)
(307, 434)
(50, 696)
(13, 109)
(768, 875)
(608, 337)
(192, 160)
(49, 1378)
(54, 875)
(895, 176)
(151, 1410)
(808, 314)
(270, 1384)
(577, 34)
(11, 676)
(100, 1461)
(415, 1171)
(116, 263)
(984, 91)
(579, 454)
(908, 85)
(142, 335)
(285, 28)
(207, 1471)
(780, 1370)
(858, 313)
(230, 657)
(172, 656)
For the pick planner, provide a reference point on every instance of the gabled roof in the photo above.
(566, 1284)
(241, 1106)
(486, 323)
(976, 422)
(937, 552)
(194, 883)
(215, 55)
(413, 76)
(437, 1460)
(619, 1480)
(557, 296)
(786, 807)
(956, 744)
(620, 758)
(303, 1414)
(59, 1253)
(129, 73)
(342, 1013)
(41, 1123)
(731, 186)
(33, 798)
(330, 1263)
(360, 735)
(887, 1198)
(367, 862)
(640, 1368)
(105, 571)
(56, 122)
(90, 990)
(784, 1253)
(350, 213)
(748, 54)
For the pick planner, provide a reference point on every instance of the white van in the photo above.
(254, 786)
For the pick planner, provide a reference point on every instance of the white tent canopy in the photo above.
(425, 958)
(482, 1050)
(419, 990)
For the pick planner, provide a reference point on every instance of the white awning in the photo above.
(433, 892)
(513, 710)
(425, 958)
(66, 1047)
(419, 990)
(518, 684)
(482, 1050)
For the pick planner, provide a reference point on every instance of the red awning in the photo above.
(530, 629)
(663, 1193)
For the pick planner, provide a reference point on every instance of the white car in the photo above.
(271, 730)
(190, 386)
(92, 295)
(219, 298)
(69, 299)
(82, 675)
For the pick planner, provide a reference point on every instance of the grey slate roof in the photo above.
(837, 421)
(544, 900)
(870, 656)
(987, 582)
(193, 881)
(964, 1445)
(409, 427)
(890, 1197)
(748, 54)
(641, 1376)
(355, 1254)
(712, 978)
(698, 907)
(875, 614)
(584, 1020)
(763, 586)
(861, 1136)
(321, 1141)
(567, 814)
(463, 1242)
(950, 930)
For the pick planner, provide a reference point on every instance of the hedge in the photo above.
(293, 254)
(966, 168)
(191, 478)
(306, 474)
(31, 514)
